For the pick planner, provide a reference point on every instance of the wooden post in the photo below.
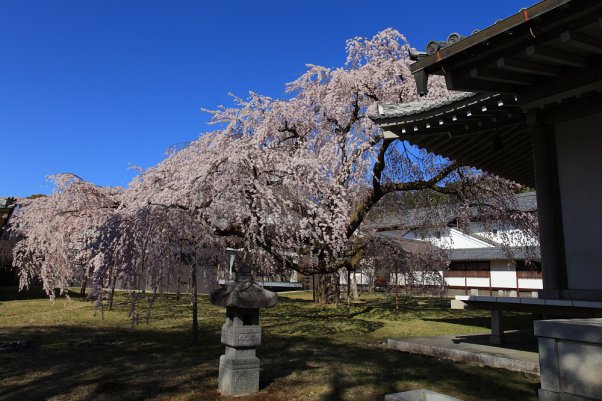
(548, 209)
(497, 327)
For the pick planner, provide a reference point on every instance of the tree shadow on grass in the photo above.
(142, 364)
(514, 321)
(12, 293)
(302, 357)
(351, 372)
(119, 364)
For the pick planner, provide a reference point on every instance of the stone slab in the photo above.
(419, 395)
(475, 349)
(587, 330)
(559, 302)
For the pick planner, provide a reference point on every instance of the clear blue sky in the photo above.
(91, 86)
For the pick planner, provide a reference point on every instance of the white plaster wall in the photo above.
(461, 241)
(503, 274)
(579, 148)
(360, 278)
(508, 237)
(398, 279)
(530, 283)
(450, 238)
(455, 281)
(477, 282)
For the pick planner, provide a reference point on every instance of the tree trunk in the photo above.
(82, 291)
(327, 288)
(195, 325)
(112, 295)
(349, 287)
(354, 292)
(396, 288)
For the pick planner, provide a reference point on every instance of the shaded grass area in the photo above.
(309, 352)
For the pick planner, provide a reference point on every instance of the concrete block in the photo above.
(548, 364)
(419, 395)
(457, 304)
(580, 366)
(570, 355)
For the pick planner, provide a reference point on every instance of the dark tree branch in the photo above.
(379, 190)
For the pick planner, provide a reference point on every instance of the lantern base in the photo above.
(238, 376)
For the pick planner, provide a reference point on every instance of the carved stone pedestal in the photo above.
(239, 367)
(241, 333)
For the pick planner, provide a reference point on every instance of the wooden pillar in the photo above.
(548, 210)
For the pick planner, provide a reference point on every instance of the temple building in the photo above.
(527, 106)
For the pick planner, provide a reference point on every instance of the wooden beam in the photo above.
(511, 78)
(572, 109)
(548, 54)
(555, 90)
(456, 81)
(510, 64)
(489, 33)
(581, 41)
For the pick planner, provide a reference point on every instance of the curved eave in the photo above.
(484, 131)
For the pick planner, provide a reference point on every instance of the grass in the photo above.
(309, 352)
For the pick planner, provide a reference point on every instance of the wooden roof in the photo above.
(541, 65)
(486, 131)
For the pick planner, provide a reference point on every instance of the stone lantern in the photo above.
(241, 333)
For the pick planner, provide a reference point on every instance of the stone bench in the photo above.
(562, 307)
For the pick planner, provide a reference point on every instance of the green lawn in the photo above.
(308, 352)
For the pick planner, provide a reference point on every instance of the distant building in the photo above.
(483, 259)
